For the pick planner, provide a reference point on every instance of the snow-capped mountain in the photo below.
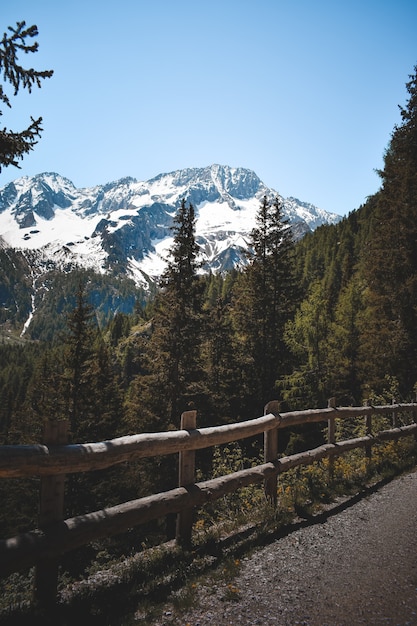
(126, 224)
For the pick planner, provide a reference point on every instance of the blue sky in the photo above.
(305, 93)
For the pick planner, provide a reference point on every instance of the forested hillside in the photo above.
(354, 332)
(331, 315)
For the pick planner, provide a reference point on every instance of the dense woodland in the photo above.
(334, 314)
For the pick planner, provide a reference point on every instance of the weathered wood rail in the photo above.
(52, 461)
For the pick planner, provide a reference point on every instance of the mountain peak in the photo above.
(125, 225)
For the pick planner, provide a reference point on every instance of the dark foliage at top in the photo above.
(14, 145)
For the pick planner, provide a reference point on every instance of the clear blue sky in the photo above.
(305, 93)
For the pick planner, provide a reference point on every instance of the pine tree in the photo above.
(265, 301)
(223, 378)
(78, 349)
(307, 337)
(175, 346)
(13, 145)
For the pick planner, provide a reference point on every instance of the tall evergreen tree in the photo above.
(307, 337)
(78, 349)
(222, 377)
(175, 346)
(265, 300)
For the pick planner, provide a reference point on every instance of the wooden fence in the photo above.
(54, 459)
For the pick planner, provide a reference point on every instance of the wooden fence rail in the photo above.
(56, 536)
(44, 460)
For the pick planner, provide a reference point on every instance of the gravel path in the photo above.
(352, 566)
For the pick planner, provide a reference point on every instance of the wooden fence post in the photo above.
(186, 477)
(394, 415)
(415, 420)
(271, 452)
(51, 509)
(368, 432)
(331, 435)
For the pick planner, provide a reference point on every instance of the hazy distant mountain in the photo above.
(123, 227)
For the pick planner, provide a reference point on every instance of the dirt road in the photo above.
(355, 565)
